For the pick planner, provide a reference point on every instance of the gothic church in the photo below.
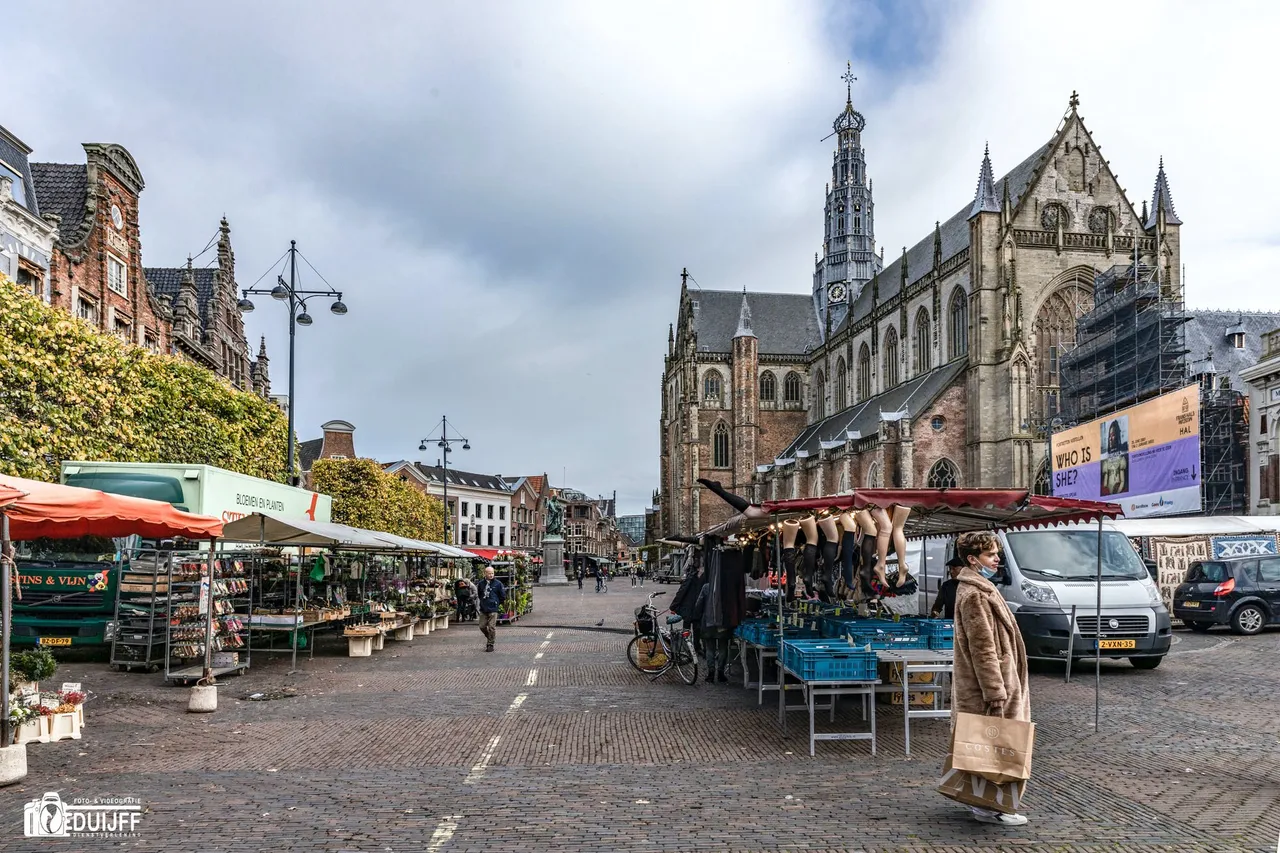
(938, 369)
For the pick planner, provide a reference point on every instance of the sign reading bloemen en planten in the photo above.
(68, 391)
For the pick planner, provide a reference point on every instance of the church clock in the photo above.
(836, 292)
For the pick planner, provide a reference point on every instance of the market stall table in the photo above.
(909, 662)
(763, 654)
(832, 688)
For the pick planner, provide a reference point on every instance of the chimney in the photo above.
(339, 440)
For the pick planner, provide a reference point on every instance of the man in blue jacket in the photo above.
(491, 593)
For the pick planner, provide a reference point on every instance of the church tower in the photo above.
(848, 258)
(746, 400)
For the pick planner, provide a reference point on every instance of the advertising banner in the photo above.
(1145, 458)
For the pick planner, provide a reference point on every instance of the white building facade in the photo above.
(478, 505)
(26, 238)
(1263, 383)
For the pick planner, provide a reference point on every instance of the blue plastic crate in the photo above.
(828, 661)
(946, 643)
(886, 641)
(935, 627)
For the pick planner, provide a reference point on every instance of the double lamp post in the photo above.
(445, 442)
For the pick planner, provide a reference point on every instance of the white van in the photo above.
(1045, 571)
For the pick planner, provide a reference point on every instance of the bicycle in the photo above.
(657, 648)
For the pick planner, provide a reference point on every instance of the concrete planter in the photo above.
(64, 726)
(204, 699)
(13, 763)
(33, 731)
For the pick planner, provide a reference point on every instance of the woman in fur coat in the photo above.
(990, 658)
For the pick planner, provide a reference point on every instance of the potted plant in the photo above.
(28, 668)
(27, 725)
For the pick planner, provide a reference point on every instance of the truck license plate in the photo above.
(1190, 604)
(54, 641)
(1117, 644)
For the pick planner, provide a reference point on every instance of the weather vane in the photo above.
(848, 79)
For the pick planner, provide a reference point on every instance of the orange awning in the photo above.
(65, 512)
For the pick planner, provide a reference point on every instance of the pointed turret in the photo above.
(744, 319)
(984, 200)
(262, 349)
(1162, 202)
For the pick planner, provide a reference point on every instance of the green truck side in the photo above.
(72, 602)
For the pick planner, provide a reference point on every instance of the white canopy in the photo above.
(1204, 525)
(269, 530)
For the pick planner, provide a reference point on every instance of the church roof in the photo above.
(783, 323)
(955, 237)
(1207, 339)
(914, 395)
(1162, 199)
(167, 281)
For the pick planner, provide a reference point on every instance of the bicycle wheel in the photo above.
(646, 654)
(686, 662)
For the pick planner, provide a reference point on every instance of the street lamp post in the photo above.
(445, 442)
(298, 316)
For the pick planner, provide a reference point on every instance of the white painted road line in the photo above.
(477, 771)
(533, 678)
(519, 701)
(538, 656)
(550, 634)
(546, 643)
(444, 831)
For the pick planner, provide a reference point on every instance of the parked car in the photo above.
(1243, 593)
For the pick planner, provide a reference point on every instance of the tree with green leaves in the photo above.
(366, 496)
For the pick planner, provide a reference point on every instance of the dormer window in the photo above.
(1237, 340)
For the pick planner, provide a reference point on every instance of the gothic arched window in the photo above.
(958, 334)
(923, 343)
(720, 446)
(943, 475)
(792, 387)
(820, 396)
(842, 385)
(1055, 335)
(890, 374)
(874, 480)
(768, 387)
(864, 373)
(713, 386)
(1042, 486)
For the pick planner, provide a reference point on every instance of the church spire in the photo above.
(984, 200)
(744, 319)
(1162, 202)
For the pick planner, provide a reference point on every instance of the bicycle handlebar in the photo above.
(654, 595)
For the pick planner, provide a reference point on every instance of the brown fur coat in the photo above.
(990, 658)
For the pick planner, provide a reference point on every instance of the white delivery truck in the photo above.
(201, 489)
(1045, 572)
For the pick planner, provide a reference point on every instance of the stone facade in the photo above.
(96, 271)
(940, 370)
(207, 326)
(26, 238)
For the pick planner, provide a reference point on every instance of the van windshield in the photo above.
(1073, 554)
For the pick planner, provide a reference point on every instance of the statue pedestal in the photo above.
(553, 560)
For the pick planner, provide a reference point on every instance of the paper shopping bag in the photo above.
(974, 790)
(994, 748)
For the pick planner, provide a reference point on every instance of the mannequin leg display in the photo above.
(810, 528)
(790, 532)
(828, 548)
(899, 522)
(848, 557)
(884, 532)
(738, 502)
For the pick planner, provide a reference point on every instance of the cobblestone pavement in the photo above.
(554, 743)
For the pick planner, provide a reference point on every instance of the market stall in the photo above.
(30, 509)
(828, 652)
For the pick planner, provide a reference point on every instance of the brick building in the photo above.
(96, 271)
(938, 369)
(337, 441)
(206, 325)
(1264, 427)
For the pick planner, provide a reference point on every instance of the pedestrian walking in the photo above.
(491, 593)
(635, 577)
(945, 603)
(579, 573)
(990, 676)
(599, 578)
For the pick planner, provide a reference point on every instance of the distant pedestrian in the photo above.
(635, 577)
(599, 578)
(579, 573)
(491, 593)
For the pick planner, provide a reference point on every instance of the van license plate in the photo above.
(1190, 604)
(1117, 644)
(54, 641)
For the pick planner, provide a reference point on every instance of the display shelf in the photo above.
(229, 595)
(140, 627)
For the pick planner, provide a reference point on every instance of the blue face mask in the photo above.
(987, 573)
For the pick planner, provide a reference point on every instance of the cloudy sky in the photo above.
(506, 192)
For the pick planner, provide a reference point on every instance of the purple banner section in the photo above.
(1175, 465)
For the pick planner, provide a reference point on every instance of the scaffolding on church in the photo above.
(1130, 347)
(1224, 429)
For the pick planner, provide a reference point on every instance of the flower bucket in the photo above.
(64, 726)
(32, 731)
